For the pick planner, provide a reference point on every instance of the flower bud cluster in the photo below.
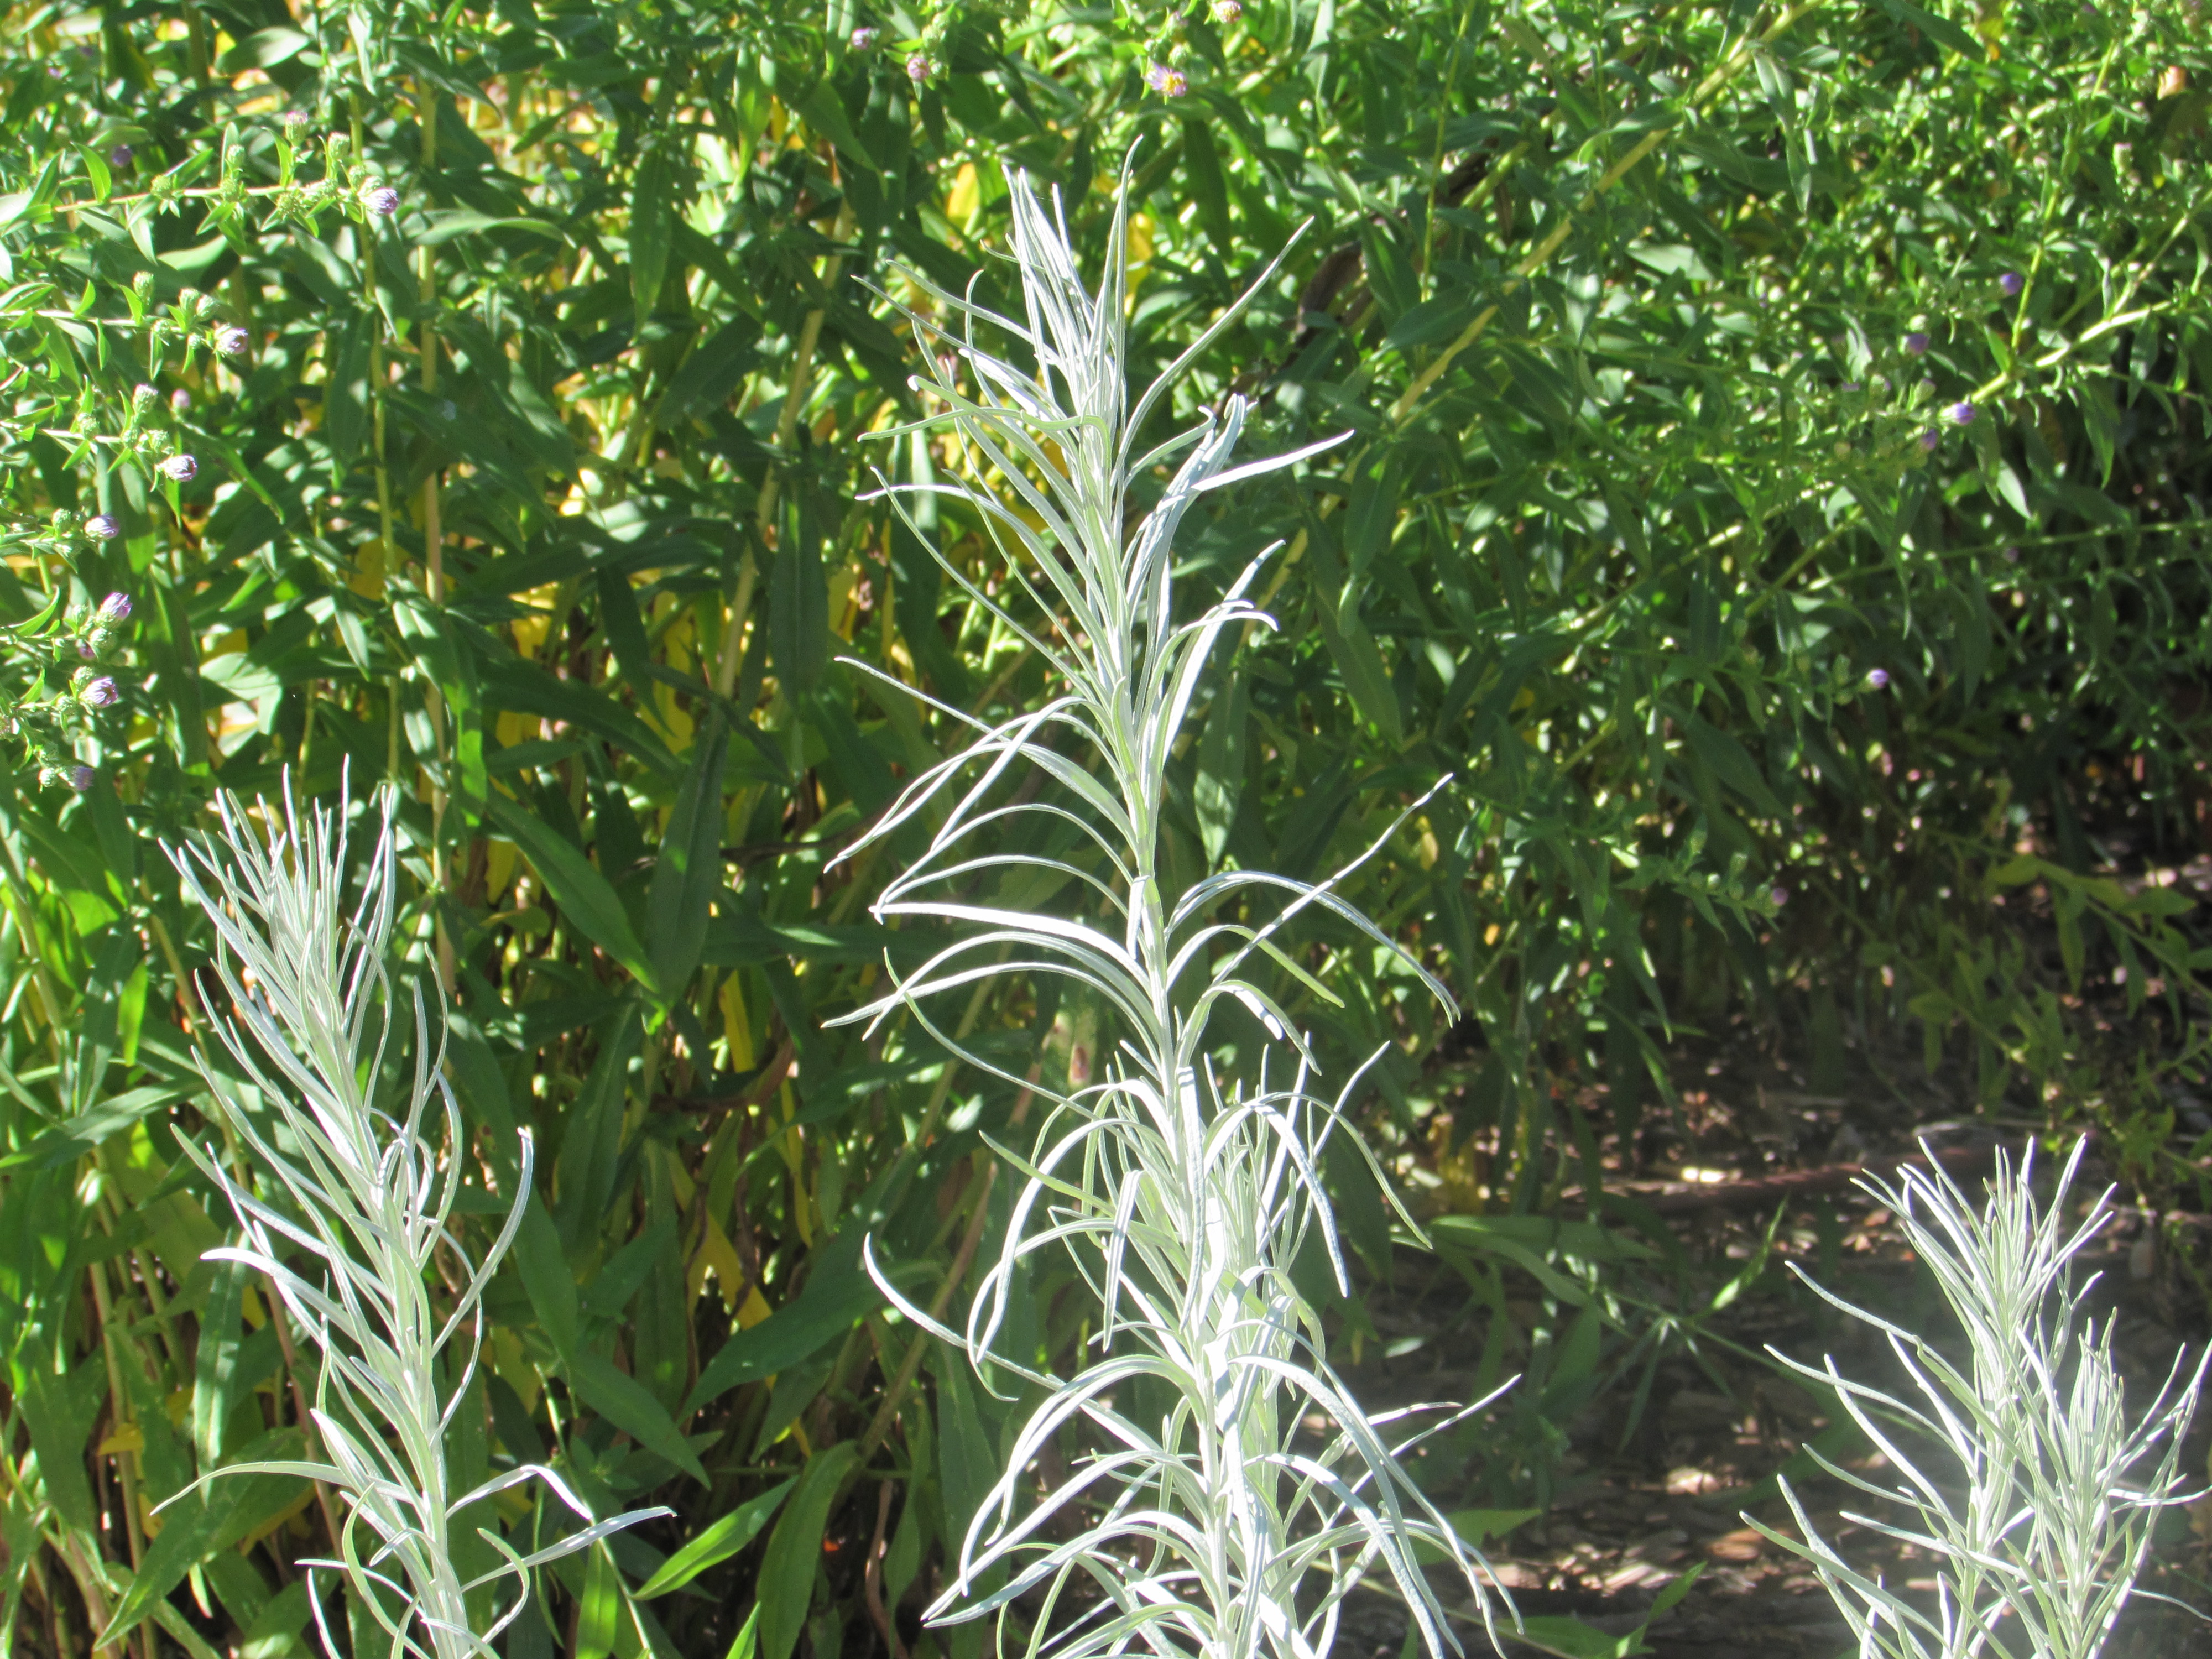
(68, 534)
(48, 720)
(145, 438)
(91, 635)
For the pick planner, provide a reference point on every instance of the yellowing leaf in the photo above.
(737, 1025)
(965, 196)
(754, 1311)
(715, 1254)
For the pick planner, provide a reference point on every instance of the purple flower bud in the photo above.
(180, 401)
(381, 200)
(2012, 282)
(102, 528)
(1962, 412)
(1929, 441)
(864, 39)
(296, 118)
(1878, 678)
(115, 607)
(82, 778)
(918, 68)
(97, 694)
(1916, 343)
(1227, 11)
(1780, 895)
(183, 468)
(119, 157)
(2012, 556)
(1167, 81)
(231, 340)
(86, 650)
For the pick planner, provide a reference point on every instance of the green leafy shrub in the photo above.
(523, 386)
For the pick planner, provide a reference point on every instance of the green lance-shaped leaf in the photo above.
(1733, 764)
(794, 1550)
(586, 897)
(59, 1412)
(1220, 787)
(716, 1544)
(629, 1406)
(590, 1150)
(798, 605)
(837, 1295)
(688, 872)
(215, 1360)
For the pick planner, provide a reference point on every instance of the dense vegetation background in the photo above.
(1776, 498)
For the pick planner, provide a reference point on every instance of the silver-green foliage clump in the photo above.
(1183, 1199)
(354, 1202)
(2020, 1466)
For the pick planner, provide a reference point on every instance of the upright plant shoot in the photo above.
(354, 1206)
(2018, 1462)
(1202, 1499)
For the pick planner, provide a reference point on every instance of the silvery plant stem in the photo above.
(2017, 1471)
(351, 1198)
(1230, 1490)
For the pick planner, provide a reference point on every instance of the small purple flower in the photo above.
(296, 118)
(1916, 344)
(180, 401)
(2012, 556)
(1852, 386)
(182, 468)
(381, 200)
(864, 39)
(99, 694)
(87, 650)
(82, 778)
(918, 68)
(1166, 80)
(1780, 895)
(1878, 678)
(119, 157)
(231, 340)
(1930, 440)
(1962, 413)
(115, 607)
(2012, 282)
(1227, 12)
(102, 528)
